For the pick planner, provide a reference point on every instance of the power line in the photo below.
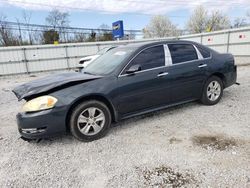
(63, 27)
(16, 26)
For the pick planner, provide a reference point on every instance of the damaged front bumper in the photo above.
(41, 124)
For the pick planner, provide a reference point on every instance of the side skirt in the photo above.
(126, 116)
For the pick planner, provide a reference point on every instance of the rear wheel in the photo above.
(212, 91)
(90, 120)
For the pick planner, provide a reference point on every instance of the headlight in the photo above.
(39, 103)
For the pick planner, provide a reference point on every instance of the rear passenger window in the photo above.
(182, 53)
(204, 53)
(150, 58)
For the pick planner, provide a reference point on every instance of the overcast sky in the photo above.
(135, 13)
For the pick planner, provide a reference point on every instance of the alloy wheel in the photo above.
(91, 121)
(213, 90)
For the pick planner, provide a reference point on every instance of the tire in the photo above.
(90, 121)
(212, 91)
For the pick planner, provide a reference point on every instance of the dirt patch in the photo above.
(174, 140)
(218, 142)
(166, 177)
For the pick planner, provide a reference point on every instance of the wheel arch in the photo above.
(221, 76)
(91, 97)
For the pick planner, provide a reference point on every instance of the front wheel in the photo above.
(90, 120)
(212, 91)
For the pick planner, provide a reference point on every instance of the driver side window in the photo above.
(149, 58)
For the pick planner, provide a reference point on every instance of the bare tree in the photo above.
(26, 18)
(217, 21)
(248, 15)
(79, 37)
(131, 35)
(239, 22)
(7, 37)
(20, 32)
(59, 20)
(104, 33)
(104, 28)
(160, 26)
(25, 35)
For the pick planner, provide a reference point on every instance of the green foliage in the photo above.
(106, 36)
(50, 36)
(92, 37)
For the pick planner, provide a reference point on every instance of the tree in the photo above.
(160, 26)
(217, 21)
(200, 21)
(92, 37)
(105, 33)
(239, 22)
(104, 28)
(50, 36)
(107, 36)
(79, 37)
(197, 22)
(7, 37)
(131, 35)
(26, 18)
(59, 20)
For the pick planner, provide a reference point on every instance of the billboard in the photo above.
(117, 28)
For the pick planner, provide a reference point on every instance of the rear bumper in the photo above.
(231, 77)
(41, 124)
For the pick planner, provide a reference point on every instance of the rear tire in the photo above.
(212, 91)
(90, 121)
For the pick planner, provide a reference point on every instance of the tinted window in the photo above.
(204, 53)
(150, 58)
(182, 52)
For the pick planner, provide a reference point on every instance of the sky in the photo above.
(134, 13)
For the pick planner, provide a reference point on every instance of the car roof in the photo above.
(138, 45)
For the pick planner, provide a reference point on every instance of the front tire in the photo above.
(90, 121)
(212, 91)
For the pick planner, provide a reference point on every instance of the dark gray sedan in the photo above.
(124, 82)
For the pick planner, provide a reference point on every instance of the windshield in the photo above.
(109, 61)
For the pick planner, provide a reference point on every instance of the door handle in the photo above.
(202, 65)
(162, 74)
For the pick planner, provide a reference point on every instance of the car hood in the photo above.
(51, 82)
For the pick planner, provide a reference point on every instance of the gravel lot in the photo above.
(190, 145)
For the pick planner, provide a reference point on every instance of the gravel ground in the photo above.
(191, 145)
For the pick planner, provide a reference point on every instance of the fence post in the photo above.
(67, 56)
(228, 41)
(25, 61)
(201, 38)
(98, 47)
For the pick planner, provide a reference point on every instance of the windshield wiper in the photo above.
(88, 73)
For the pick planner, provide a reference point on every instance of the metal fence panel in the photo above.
(46, 65)
(12, 68)
(240, 50)
(82, 50)
(45, 53)
(10, 55)
(240, 37)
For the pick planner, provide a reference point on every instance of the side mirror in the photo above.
(133, 69)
